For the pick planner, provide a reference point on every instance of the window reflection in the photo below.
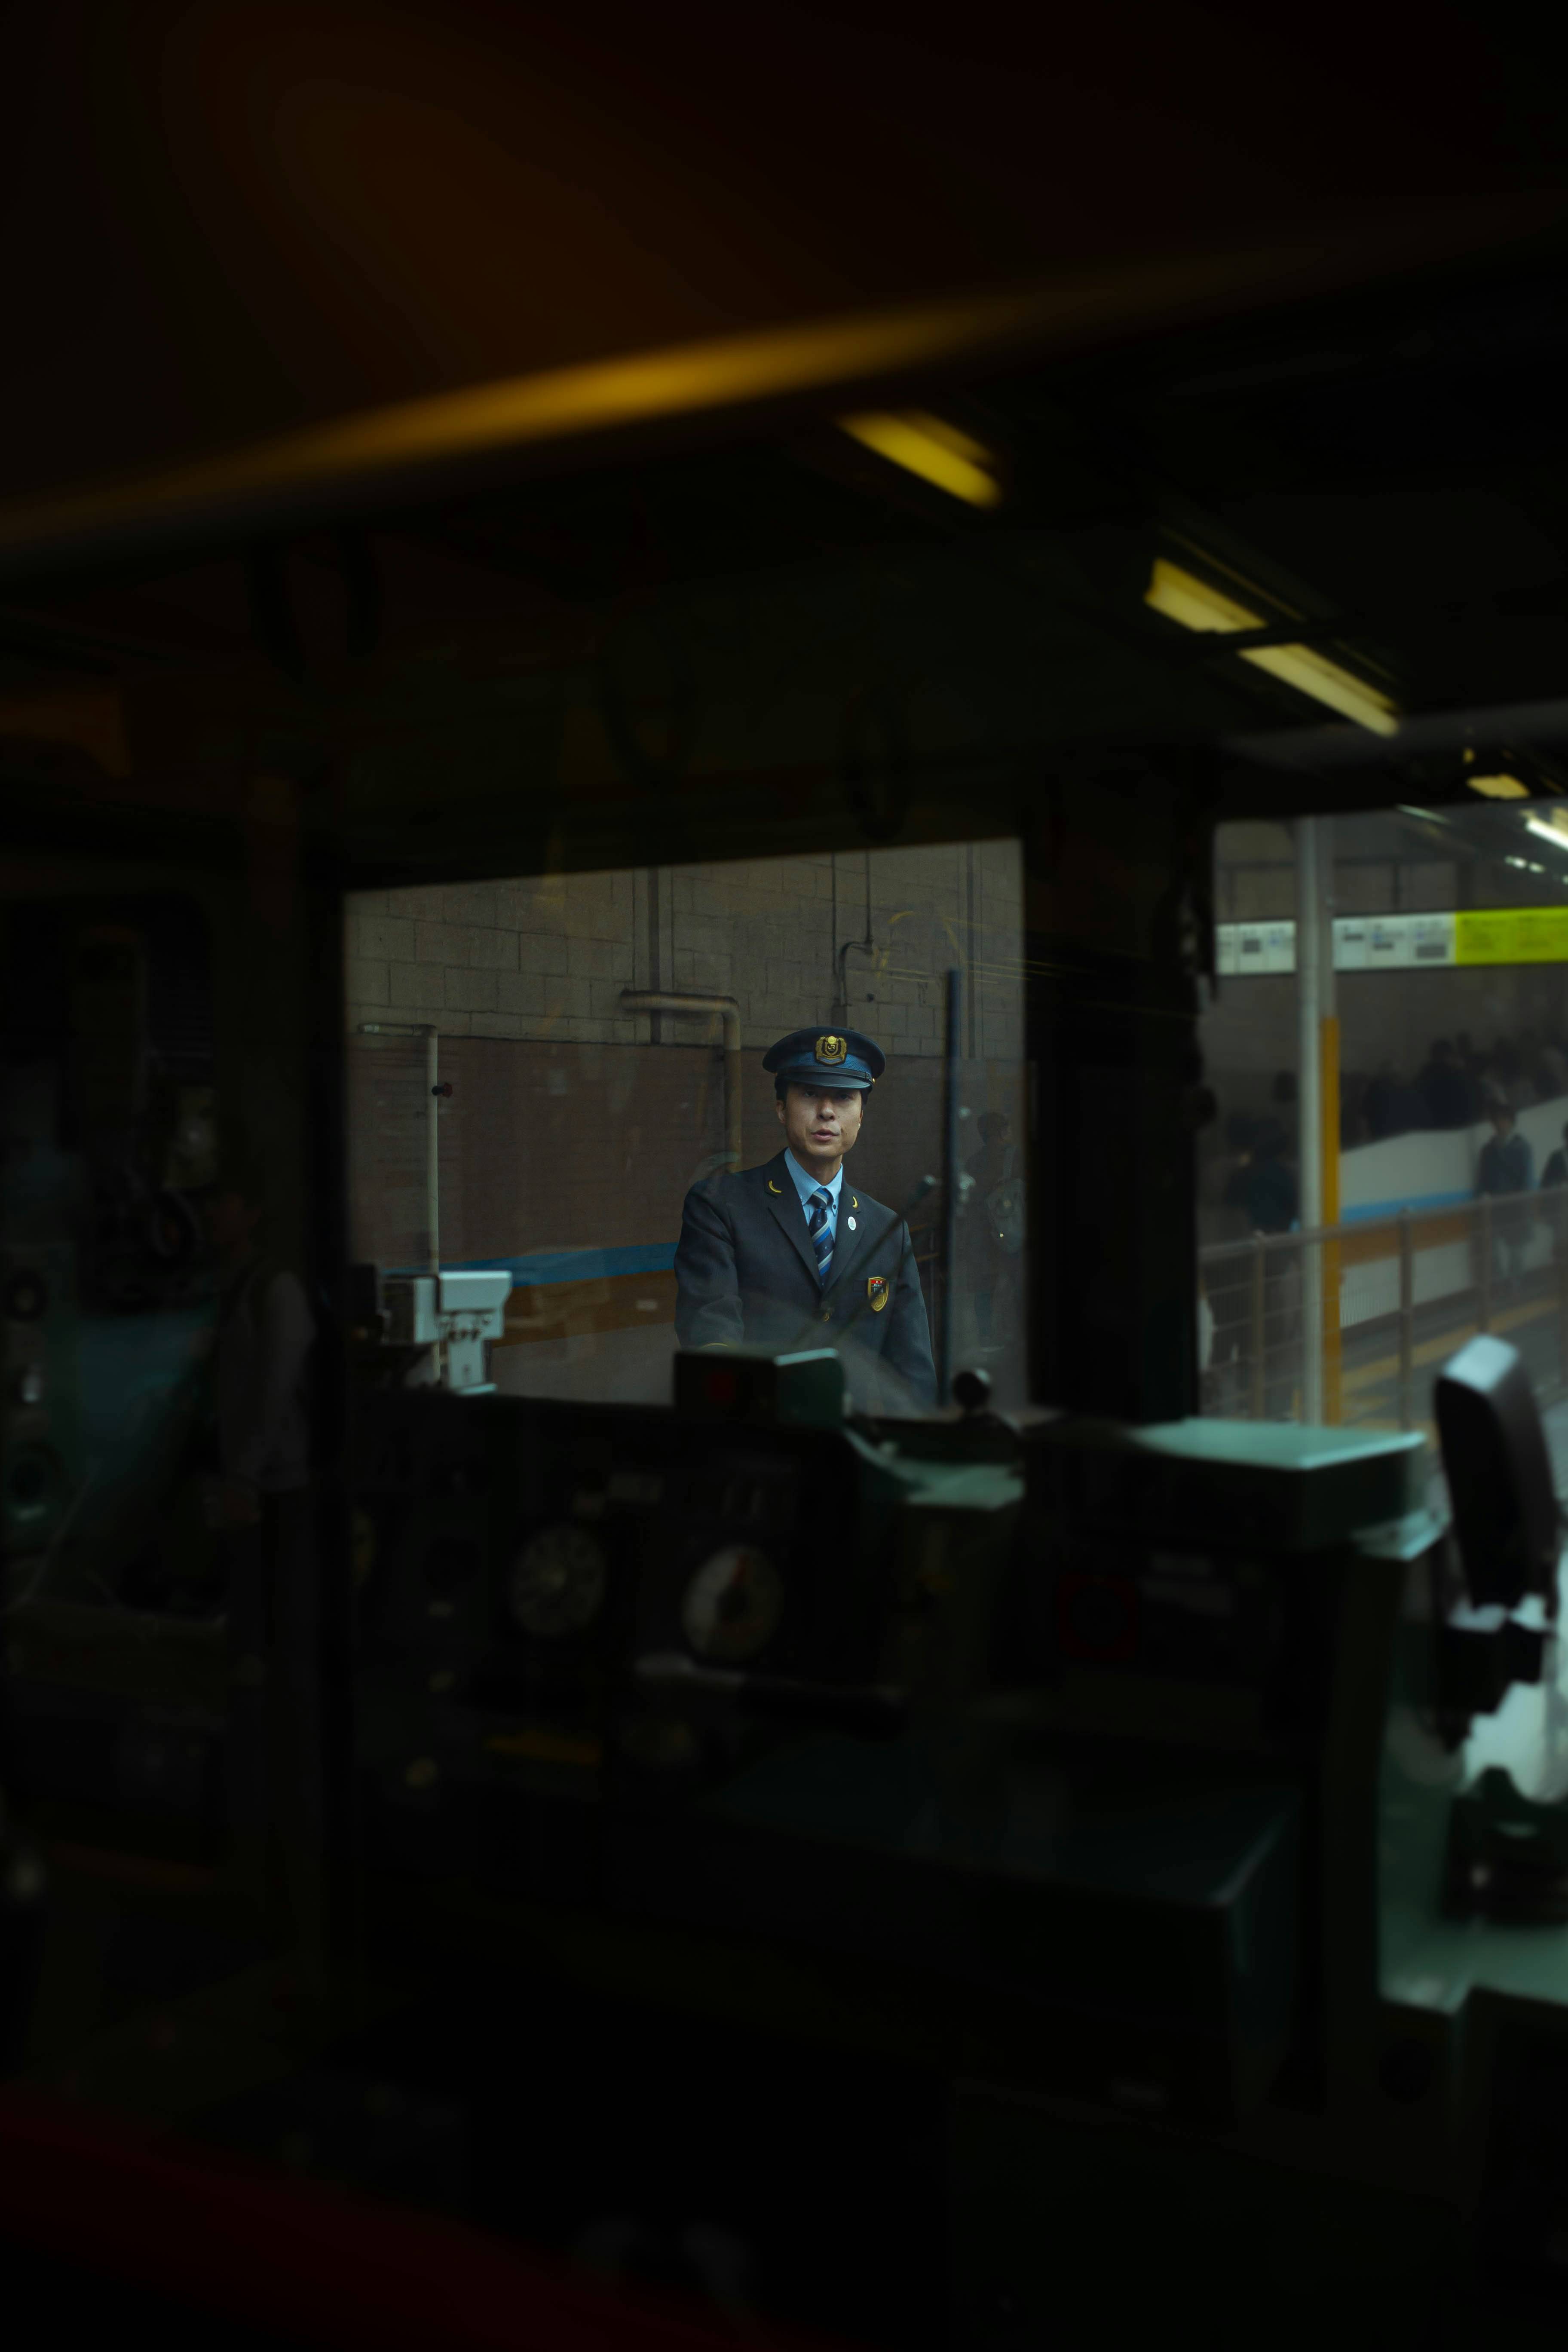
(591, 1048)
(1435, 1125)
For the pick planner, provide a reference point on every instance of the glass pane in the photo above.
(119, 1574)
(1441, 1050)
(575, 1118)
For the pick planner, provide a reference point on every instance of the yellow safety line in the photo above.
(1430, 1350)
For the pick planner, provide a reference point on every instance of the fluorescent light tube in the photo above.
(1182, 597)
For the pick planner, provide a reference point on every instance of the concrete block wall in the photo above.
(543, 1146)
(534, 958)
(585, 1139)
(1265, 893)
(559, 1148)
(547, 959)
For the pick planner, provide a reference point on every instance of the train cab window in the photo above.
(1388, 1172)
(596, 1116)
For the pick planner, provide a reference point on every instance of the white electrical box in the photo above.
(460, 1312)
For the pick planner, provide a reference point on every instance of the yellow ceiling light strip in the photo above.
(1193, 604)
(1325, 682)
(1184, 598)
(565, 404)
(1499, 788)
(932, 448)
(558, 407)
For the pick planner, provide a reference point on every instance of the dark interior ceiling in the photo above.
(1400, 452)
(1388, 467)
(1384, 460)
(223, 218)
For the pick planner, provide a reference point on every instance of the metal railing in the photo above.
(1381, 1304)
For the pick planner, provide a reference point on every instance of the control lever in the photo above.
(870, 1713)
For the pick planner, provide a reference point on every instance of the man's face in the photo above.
(820, 1124)
(1502, 1125)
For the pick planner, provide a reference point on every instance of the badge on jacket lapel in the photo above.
(876, 1292)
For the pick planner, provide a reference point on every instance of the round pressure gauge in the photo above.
(558, 1582)
(733, 1604)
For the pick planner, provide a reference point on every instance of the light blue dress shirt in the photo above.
(806, 1185)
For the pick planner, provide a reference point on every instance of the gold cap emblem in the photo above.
(831, 1049)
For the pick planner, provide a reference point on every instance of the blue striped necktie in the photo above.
(821, 1232)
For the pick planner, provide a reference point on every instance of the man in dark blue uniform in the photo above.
(791, 1256)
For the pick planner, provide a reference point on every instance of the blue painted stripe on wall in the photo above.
(1370, 1210)
(571, 1266)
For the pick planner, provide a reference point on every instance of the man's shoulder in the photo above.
(729, 1188)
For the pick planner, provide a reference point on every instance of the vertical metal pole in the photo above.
(433, 1149)
(1406, 1320)
(1310, 1104)
(1484, 1287)
(1258, 1328)
(733, 1086)
(950, 1175)
(1329, 1256)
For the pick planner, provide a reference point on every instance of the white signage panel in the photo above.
(1361, 943)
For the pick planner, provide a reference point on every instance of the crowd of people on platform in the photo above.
(1457, 1086)
(1252, 1187)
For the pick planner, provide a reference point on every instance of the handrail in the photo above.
(1474, 1262)
(1209, 1251)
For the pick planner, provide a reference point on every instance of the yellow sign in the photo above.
(1511, 935)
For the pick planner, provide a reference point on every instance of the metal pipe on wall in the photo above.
(660, 1000)
(850, 946)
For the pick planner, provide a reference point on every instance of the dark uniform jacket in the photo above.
(745, 1271)
(1507, 1168)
